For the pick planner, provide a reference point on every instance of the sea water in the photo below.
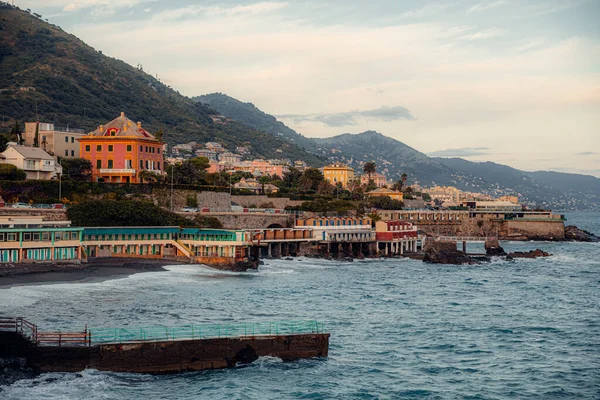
(400, 329)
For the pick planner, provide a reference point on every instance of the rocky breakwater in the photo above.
(493, 249)
(438, 252)
(579, 235)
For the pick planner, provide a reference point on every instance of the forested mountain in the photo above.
(48, 73)
(257, 119)
(392, 157)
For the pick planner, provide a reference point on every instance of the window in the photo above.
(66, 139)
(27, 237)
(128, 164)
(29, 164)
(98, 164)
(141, 163)
(128, 147)
(110, 164)
(159, 165)
(87, 147)
(158, 150)
(72, 153)
(146, 164)
(66, 153)
(110, 148)
(98, 147)
(141, 148)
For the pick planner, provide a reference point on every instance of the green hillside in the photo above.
(75, 85)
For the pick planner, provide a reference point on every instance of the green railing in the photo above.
(164, 333)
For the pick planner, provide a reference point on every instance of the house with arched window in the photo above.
(120, 150)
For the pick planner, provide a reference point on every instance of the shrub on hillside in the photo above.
(124, 213)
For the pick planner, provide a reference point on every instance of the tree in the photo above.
(149, 176)
(398, 185)
(3, 142)
(371, 185)
(404, 178)
(36, 138)
(327, 188)
(16, 133)
(369, 168)
(9, 172)
(200, 163)
(77, 169)
(159, 135)
(310, 180)
(123, 213)
(263, 180)
(291, 179)
(385, 203)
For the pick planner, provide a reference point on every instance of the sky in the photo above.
(511, 81)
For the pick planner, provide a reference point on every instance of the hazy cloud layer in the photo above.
(461, 152)
(586, 153)
(351, 118)
(478, 74)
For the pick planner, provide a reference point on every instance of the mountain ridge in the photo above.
(68, 82)
(393, 157)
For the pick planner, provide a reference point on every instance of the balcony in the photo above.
(117, 171)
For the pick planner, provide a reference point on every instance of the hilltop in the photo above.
(255, 118)
(47, 72)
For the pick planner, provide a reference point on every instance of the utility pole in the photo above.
(59, 181)
(172, 176)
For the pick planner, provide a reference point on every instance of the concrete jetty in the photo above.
(160, 350)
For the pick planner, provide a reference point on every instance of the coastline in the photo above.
(95, 271)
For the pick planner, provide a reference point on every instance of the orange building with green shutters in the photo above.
(120, 150)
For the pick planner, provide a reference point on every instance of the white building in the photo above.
(36, 163)
(59, 141)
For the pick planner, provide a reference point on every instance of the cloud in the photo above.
(100, 8)
(212, 12)
(461, 152)
(486, 5)
(586, 153)
(484, 34)
(347, 118)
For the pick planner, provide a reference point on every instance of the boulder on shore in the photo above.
(493, 248)
(579, 235)
(528, 254)
(445, 253)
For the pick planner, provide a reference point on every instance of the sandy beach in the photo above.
(98, 270)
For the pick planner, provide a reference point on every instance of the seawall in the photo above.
(164, 356)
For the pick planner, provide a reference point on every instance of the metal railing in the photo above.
(93, 336)
(30, 332)
(208, 331)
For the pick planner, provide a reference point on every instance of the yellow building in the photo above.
(510, 199)
(338, 172)
(393, 194)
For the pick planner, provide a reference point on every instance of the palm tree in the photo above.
(264, 180)
(404, 178)
(369, 168)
